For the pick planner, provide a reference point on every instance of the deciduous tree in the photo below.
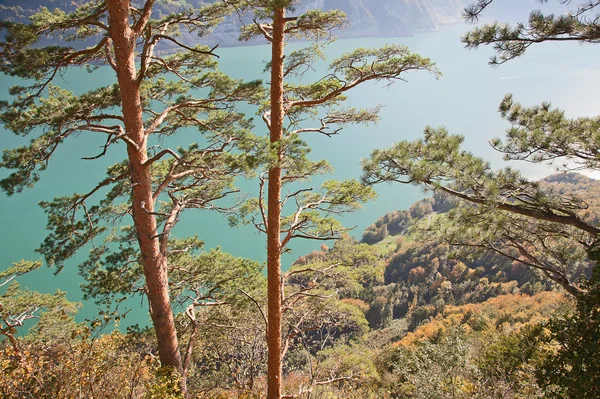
(19, 307)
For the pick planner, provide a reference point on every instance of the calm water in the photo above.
(465, 100)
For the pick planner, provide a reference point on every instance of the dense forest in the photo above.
(486, 289)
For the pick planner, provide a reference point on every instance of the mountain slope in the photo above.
(367, 18)
(420, 278)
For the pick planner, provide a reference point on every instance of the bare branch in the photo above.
(257, 306)
(193, 50)
(191, 314)
(547, 215)
(161, 154)
(264, 29)
(141, 23)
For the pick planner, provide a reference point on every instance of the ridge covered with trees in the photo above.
(379, 317)
(489, 289)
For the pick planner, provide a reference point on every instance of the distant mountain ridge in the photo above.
(388, 18)
(367, 18)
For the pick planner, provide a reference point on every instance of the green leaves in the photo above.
(314, 24)
(509, 42)
(435, 158)
(434, 370)
(18, 269)
(313, 217)
(542, 133)
(112, 274)
(344, 195)
(192, 177)
(573, 370)
(22, 56)
(72, 226)
(214, 277)
(53, 312)
(350, 269)
(386, 63)
(438, 163)
(500, 211)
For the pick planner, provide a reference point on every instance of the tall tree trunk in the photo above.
(274, 211)
(153, 262)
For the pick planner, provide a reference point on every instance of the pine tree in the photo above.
(284, 113)
(151, 99)
(502, 211)
(578, 23)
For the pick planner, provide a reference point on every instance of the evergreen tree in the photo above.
(151, 99)
(285, 113)
(578, 23)
(502, 211)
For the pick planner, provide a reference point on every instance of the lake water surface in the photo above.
(465, 100)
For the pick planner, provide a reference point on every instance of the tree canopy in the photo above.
(501, 210)
(289, 113)
(154, 96)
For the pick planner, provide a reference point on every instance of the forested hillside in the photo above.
(423, 273)
(490, 289)
(398, 315)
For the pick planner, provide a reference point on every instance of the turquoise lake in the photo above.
(465, 100)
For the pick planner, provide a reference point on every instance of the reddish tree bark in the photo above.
(274, 210)
(153, 262)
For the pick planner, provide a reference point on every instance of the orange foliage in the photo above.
(503, 313)
(362, 305)
(416, 275)
(76, 369)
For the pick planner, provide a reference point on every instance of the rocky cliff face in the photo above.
(367, 18)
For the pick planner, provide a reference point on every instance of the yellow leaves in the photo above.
(356, 302)
(466, 386)
(102, 368)
(503, 313)
(165, 385)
